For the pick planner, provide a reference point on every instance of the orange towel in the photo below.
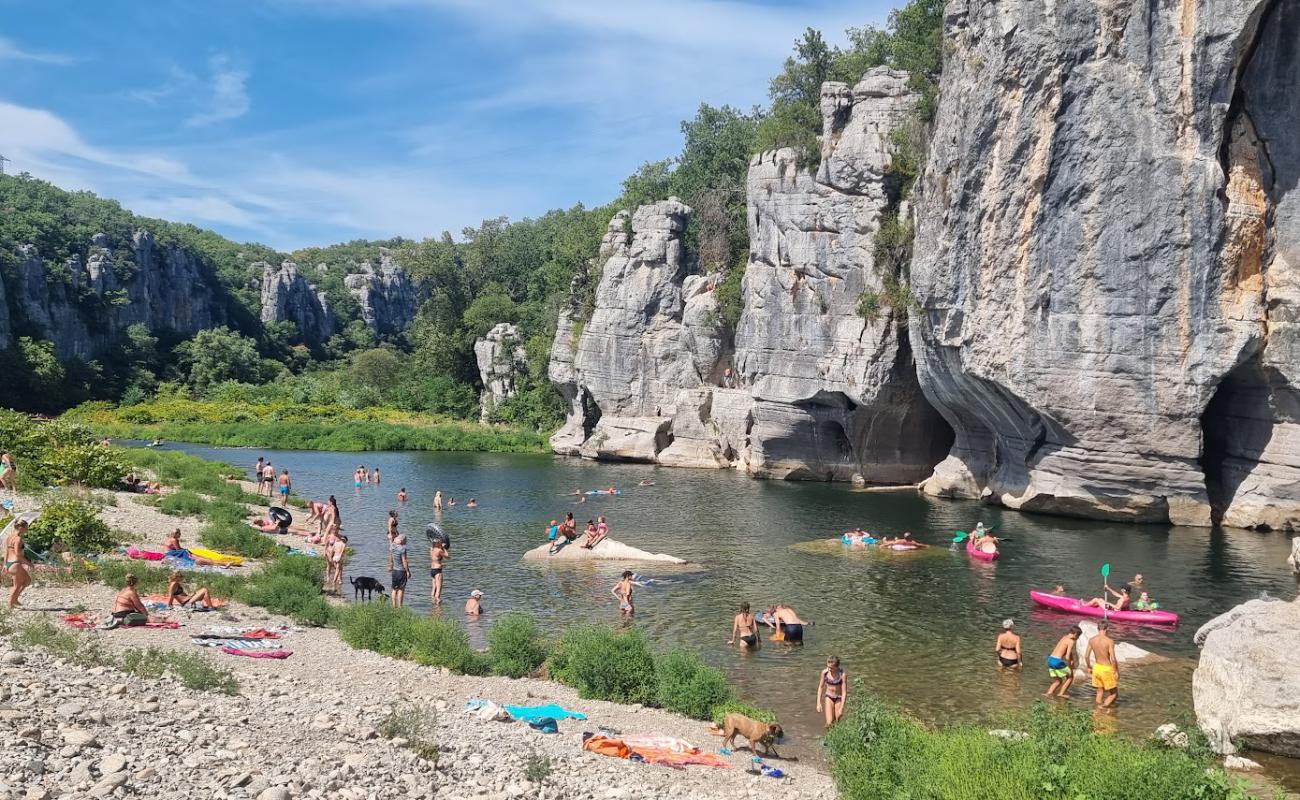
(162, 598)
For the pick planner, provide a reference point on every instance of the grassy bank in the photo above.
(878, 752)
(296, 426)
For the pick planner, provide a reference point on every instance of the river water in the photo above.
(917, 627)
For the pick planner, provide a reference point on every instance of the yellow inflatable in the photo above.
(215, 557)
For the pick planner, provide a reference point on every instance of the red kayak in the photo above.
(1072, 606)
(980, 554)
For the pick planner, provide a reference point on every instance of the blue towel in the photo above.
(545, 725)
(530, 713)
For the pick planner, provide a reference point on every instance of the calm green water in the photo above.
(919, 628)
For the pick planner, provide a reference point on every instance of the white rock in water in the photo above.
(1294, 558)
(607, 550)
(1247, 683)
(1125, 652)
(1241, 764)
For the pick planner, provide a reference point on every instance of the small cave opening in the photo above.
(590, 413)
(833, 441)
(1236, 426)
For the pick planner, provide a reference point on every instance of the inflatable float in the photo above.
(982, 555)
(605, 550)
(866, 541)
(215, 557)
(615, 493)
(1071, 605)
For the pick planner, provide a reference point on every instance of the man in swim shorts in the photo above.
(789, 627)
(745, 628)
(1060, 664)
(1008, 647)
(1101, 661)
(399, 567)
(286, 485)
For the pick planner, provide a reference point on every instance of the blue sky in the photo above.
(297, 122)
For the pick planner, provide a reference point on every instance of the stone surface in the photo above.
(1294, 559)
(82, 305)
(502, 363)
(1247, 683)
(386, 295)
(1125, 652)
(288, 297)
(1106, 234)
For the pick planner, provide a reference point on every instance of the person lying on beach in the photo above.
(172, 545)
(176, 594)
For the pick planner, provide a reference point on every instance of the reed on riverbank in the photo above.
(295, 426)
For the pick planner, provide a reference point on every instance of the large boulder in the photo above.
(1247, 683)
(1107, 233)
(287, 296)
(385, 294)
(1294, 559)
(502, 362)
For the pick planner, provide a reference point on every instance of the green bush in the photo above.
(285, 594)
(721, 710)
(877, 752)
(398, 633)
(191, 670)
(603, 664)
(516, 647)
(72, 522)
(86, 464)
(238, 539)
(688, 686)
(182, 504)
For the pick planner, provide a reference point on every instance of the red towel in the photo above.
(80, 621)
(257, 653)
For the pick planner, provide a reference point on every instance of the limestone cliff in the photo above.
(82, 305)
(1106, 233)
(502, 362)
(806, 388)
(387, 298)
(288, 297)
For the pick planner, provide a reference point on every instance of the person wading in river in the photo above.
(1099, 658)
(1060, 664)
(623, 591)
(438, 555)
(745, 628)
(1008, 647)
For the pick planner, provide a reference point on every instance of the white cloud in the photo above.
(12, 52)
(227, 93)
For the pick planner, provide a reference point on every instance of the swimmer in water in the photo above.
(646, 482)
(401, 496)
(472, 503)
(744, 628)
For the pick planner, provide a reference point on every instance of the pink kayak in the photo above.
(1072, 606)
(980, 554)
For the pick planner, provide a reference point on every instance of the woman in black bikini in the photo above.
(1008, 647)
(176, 594)
(833, 689)
(745, 628)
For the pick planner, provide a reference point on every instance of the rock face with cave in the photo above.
(815, 391)
(1107, 234)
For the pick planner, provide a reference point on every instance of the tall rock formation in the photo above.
(387, 298)
(835, 395)
(288, 297)
(502, 361)
(807, 388)
(1107, 236)
(81, 306)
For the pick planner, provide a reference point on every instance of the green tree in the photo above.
(217, 355)
(379, 369)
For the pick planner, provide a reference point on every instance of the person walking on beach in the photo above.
(334, 556)
(1007, 647)
(745, 628)
(1060, 664)
(399, 567)
(623, 591)
(1099, 658)
(268, 478)
(16, 564)
(438, 555)
(286, 486)
(832, 691)
(257, 471)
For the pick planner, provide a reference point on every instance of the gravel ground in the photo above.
(308, 726)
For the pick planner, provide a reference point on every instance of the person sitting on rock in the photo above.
(597, 534)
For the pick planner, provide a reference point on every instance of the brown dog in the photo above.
(759, 734)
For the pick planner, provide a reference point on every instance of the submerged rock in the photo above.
(1108, 233)
(1247, 683)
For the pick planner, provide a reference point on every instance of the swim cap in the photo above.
(1008, 623)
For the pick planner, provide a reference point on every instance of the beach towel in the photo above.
(239, 644)
(83, 621)
(257, 653)
(143, 555)
(231, 632)
(636, 741)
(620, 748)
(487, 710)
(530, 713)
(161, 599)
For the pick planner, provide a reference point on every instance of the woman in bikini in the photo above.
(437, 557)
(392, 524)
(745, 628)
(1008, 647)
(176, 594)
(832, 691)
(16, 563)
(437, 500)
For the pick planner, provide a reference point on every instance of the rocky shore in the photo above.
(312, 725)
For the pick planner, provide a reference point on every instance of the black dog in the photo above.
(366, 586)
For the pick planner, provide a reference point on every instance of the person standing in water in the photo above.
(1008, 647)
(623, 591)
(789, 627)
(401, 496)
(1060, 664)
(474, 605)
(745, 628)
(375, 476)
(392, 524)
(437, 500)
(438, 555)
(1099, 658)
(16, 564)
(399, 567)
(832, 691)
